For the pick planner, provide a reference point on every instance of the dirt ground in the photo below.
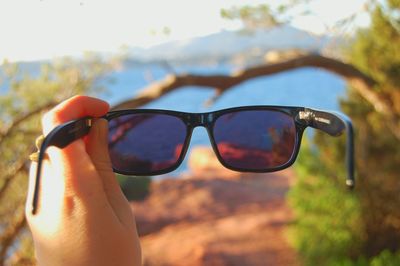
(217, 218)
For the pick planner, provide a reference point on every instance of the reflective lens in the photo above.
(255, 139)
(144, 143)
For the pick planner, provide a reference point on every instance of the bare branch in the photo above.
(17, 167)
(361, 82)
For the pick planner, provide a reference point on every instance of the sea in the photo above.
(308, 87)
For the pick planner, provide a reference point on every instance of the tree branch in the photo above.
(361, 82)
(4, 134)
(17, 167)
(9, 235)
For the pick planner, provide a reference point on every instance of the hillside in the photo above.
(226, 45)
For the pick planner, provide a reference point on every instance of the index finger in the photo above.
(73, 108)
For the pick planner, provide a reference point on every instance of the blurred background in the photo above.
(334, 55)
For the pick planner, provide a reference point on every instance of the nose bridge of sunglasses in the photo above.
(201, 119)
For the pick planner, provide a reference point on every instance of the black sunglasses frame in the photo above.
(207, 120)
(333, 123)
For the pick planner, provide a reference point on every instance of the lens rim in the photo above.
(181, 116)
(207, 120)
(289, 111)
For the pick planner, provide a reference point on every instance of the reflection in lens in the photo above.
(255, 139)
(142, 144)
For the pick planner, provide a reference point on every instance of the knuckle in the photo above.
(102, 165)
(78, 98)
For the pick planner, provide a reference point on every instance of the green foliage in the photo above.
(335, 227)
(380, 43)
(377, 51)
(266, 16)
(261, 16)
(135, 188)
(328, 226)
(386, 258)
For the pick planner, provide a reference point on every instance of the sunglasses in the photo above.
(146, 142)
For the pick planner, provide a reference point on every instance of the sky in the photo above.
(45, 29)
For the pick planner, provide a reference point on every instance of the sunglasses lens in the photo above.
(255, 140)
(145, 144)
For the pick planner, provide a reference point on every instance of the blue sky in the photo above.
(45, 29)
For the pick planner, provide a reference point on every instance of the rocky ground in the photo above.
(213, 216)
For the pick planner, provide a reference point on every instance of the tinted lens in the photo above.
(255, 139)
(144, 144)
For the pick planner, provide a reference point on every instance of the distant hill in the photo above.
(224, 46)
(227, 44)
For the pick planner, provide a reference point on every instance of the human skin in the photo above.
(83, 218)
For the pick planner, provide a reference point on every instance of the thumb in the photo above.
(97, 148)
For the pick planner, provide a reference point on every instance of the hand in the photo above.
(83, 217)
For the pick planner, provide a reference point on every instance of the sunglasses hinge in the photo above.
(306, 116)
(312, 117)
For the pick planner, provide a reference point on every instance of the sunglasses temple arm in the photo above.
(36, 190)
(335, 124)
(61, 136)
(350, 181)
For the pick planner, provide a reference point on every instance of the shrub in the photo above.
(135, 188)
